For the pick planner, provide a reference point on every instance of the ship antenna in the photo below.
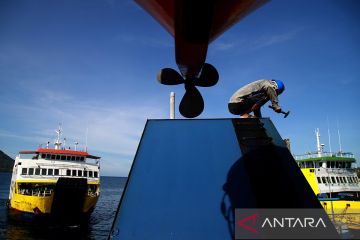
(76, 143)
(329, 135)
(339, 137)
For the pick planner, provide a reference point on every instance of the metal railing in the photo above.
(324, 154)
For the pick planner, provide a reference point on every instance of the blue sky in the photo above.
(93, 64)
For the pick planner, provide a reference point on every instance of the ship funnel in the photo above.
(172, 105)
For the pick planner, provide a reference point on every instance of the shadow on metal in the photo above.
(188, 176)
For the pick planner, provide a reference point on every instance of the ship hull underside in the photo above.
(70, 199)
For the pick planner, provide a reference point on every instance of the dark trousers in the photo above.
(245, 106)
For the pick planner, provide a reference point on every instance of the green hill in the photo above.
(6, 162)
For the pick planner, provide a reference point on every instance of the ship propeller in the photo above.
(192, 103)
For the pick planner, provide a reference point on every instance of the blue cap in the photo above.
(280, 86)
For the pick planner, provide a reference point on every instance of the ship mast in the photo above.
(340, 151)
(318, 145)
(58, 141)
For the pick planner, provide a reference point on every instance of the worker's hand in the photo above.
(277, 109)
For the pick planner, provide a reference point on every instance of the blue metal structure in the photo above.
(189, 175)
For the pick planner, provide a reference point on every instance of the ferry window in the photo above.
(43, 171)
(57, 157)
(56, 172)
(311, 164)
(24, 171)
(95, 174)
(323, 179)
(68, 158)
(332, 164)
(79, 173)
(333, 180)
(43, 156)
(85, 173)
(48, 156)
(337, 179)
(81, 158)
(322, 195)
(344, 179)
(37, 171)
(74, 172)
(77, 158)
(50, 171)
(319, 179)
(349, 179)
(72, 158)
(337, 165)
(90, 173)
(63, 157)
(328, 179)
(68, 172)
(52, 157)
(328, 164)
(31, 171)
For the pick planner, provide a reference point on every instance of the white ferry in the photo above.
(55, 181)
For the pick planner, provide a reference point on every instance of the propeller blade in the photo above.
(169, 76)
(192, 104)
(209, 76)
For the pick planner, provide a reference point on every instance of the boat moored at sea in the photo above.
(333, 178)
(55, 181)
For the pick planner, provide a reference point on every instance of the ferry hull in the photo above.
(343, 212)
(70, 198)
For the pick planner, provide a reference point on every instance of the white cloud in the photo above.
(113, 131)
(144, 41)
(221, 46)
(245, 44)
(266, 41)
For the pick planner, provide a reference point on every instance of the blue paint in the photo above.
(175, 187)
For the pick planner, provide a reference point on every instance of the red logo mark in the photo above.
(251, 218)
